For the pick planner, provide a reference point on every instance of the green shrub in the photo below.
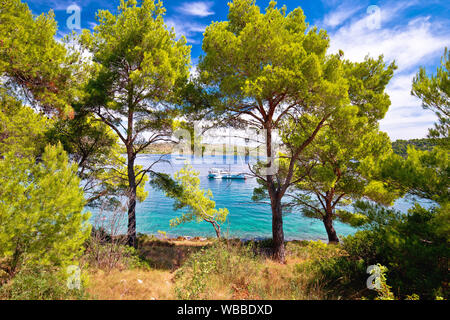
(42, 221)
(412, 248)
(232, 264)
(313, 250)
(40, 284)
(362, 245)
(338, 277)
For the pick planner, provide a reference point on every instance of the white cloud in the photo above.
(193, 71)
(92, 24)
(339, 15)
(411, 44)
(199, 8)
(406, 119)
(408, 45)
(187, 29)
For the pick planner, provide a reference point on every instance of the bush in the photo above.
(313, 250)
(41, 211)
(330, 270)
(107, 252)
(412, 248)
(40, 284)
(363, 245)
(233, 265)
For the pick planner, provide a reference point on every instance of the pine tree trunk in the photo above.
(275, 201)
(328, 223)
(277, 232)
(131, 234)
(217, 229)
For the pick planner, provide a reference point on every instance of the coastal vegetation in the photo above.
(400, 147)
(75, 114)
(201, 207)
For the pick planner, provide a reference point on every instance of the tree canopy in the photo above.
(434, 91)
(33, 64)
(263, 67)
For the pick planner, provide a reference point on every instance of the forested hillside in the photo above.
(400, 146)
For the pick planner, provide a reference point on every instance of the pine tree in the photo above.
(138, 63)
(200, 203)
(42, 221)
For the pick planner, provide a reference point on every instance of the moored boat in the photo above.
(217, 173)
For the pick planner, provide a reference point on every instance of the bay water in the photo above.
(246, 220)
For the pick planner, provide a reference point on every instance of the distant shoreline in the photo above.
(169, 148)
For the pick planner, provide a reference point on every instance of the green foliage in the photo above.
(41, 211)
(259, 58)
(22, 130)
(264, 67)
(337, 167)
(101, 167)
(40, 284)
(196, 278)
(400, 147)
(411, 246)
(33, 60)
(423, 174)
(136, 66)
(330, 269)
(434, 91)
(135, 47)
(198, 201)
(384, 292)
(367, 83)
(314, 250)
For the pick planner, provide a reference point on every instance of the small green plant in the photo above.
(201, 207)
(42, 221)
(195, 275)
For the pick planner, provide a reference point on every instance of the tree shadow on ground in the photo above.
(169, 254)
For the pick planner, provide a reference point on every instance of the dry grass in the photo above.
(233, 272)
(154, 283)
(169, 254)
(131, 285)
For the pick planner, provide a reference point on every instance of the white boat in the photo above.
(179, 158)
(217, 173)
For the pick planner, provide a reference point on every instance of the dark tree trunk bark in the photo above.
(277, 232)
(131, 234)
(217, 229)
(328, 223)
(275, 202)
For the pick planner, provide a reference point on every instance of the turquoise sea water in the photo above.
(247, 219)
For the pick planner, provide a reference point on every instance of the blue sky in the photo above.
(414, 33)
